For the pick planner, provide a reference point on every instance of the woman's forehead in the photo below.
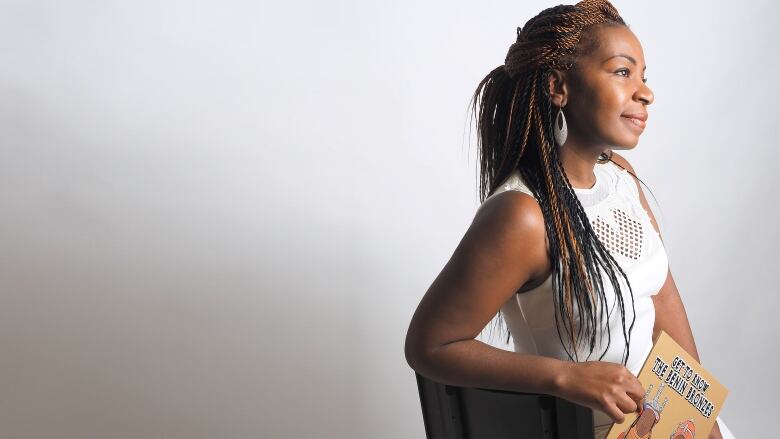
(617, 42)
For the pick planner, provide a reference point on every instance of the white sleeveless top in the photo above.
(624, 227)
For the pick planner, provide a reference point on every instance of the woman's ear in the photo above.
(558, 88)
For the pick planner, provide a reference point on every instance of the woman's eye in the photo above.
(628, 72)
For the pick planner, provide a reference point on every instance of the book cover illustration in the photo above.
(682, 399)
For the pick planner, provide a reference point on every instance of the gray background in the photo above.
(218, 217)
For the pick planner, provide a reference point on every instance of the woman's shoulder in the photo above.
(515, 213)
(621, 164)
(624, 169)
(511, 225)
(511, 204)
(512, 200)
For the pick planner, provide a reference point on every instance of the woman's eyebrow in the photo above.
(628, 57)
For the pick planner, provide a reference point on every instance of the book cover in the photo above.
(682, 399)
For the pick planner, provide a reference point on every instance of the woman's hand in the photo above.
(601, 385)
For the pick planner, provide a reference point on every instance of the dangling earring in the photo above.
(605, 156)
(560, 130)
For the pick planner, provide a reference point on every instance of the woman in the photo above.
(564, 245)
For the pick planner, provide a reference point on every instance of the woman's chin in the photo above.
(627, 143)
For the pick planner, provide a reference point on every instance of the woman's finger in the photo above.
(614, 412)
(636, 391)
(626, 404)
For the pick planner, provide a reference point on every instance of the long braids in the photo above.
(515, 132)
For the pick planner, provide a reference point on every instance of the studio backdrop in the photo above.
(217, 217)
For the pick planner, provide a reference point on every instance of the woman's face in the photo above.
(606, 87)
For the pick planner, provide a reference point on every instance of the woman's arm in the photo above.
(670, 312)
(670, 316)
(503, 248)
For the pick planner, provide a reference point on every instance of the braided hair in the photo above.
(515, 132)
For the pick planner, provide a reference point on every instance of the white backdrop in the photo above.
(218, 217)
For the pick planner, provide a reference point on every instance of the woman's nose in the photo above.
(645, 95)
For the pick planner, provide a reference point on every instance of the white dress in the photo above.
(624, 227)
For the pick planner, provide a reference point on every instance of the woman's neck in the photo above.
(579, 164)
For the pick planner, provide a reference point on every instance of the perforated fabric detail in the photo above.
(618, 217)
(626, 240)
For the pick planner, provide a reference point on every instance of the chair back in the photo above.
(451, 412)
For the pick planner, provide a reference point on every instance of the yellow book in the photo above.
(682, 399)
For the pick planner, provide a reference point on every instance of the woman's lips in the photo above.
(635, 122)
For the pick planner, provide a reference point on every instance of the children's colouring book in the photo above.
(681, 399)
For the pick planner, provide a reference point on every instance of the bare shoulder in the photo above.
(513, 208)
(513, 225)
(621, 161)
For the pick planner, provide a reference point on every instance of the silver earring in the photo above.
(560, 130)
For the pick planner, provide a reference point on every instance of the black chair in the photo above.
(451, 412)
